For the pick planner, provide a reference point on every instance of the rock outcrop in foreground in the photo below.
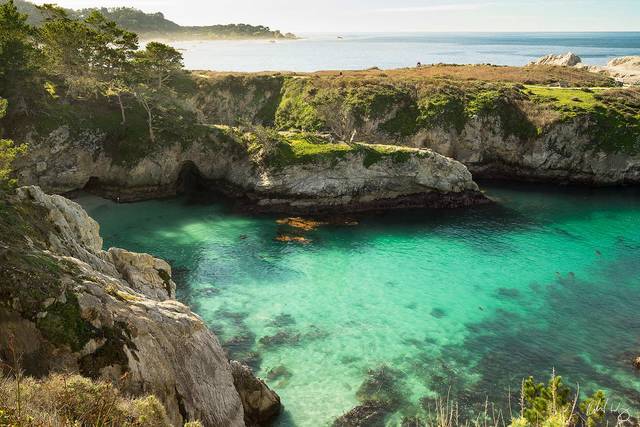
(294, 173)
(67, 305)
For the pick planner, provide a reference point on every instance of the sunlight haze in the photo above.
(403, 15)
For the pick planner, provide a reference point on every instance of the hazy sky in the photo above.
(396, 15)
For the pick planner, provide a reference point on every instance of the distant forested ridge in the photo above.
(155, 25)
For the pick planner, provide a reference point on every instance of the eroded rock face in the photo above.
(148, 275)
(625, 69)
(260, 403)
(564, 154)
(67, 305)
(564, 60)
(421, 178)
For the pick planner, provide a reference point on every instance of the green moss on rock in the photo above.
(111, 353)
(63, 324)
(296, 110)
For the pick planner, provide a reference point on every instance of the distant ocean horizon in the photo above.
(355, 51)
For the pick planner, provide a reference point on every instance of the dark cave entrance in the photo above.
(93, 185)
(190, 179)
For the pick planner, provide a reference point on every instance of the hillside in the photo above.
(156, 25)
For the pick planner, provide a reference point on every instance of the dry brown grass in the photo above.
(72, 400)
(539, 114)
(539, 75)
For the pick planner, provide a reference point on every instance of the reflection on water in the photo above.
(414, 303)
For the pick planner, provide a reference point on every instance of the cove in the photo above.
(466, 302)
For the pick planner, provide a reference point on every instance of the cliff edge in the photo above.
(68, 306)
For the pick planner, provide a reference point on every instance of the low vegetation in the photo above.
(614, 114)
(540, 405)
(72, 400)
(281, 149)
(383, 110)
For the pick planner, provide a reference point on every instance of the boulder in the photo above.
(261, 404)
(565, 60)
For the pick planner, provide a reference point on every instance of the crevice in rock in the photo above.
(181, 408)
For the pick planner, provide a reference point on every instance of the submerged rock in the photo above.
(509, 293)
(281, 338)
(636, 362)
(261, 404)
(279, 372)
(283, 319)
(382, 386)
(369, 414)
(293, 239)
(305, 224)
(438, 313)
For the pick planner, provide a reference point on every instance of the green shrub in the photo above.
(555, 405)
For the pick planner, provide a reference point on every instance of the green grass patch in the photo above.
(278, 150)
(301, 149)
(566, 99)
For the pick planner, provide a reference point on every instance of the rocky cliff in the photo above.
(539, 123)
(560, 133)
(293, 172)
(67, 305)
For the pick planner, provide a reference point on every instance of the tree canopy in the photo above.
(83, 58)
(156, 24)
(8, 153)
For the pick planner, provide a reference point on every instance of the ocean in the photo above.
(315, 52)
(435, 303)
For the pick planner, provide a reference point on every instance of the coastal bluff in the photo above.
(276, 172)
(69, 306)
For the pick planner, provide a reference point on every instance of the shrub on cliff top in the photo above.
(60, 400)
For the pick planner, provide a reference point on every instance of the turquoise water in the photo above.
(361, 50)
(465, 302)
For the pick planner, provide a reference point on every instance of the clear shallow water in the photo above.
(468, 300)
(359, 51)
